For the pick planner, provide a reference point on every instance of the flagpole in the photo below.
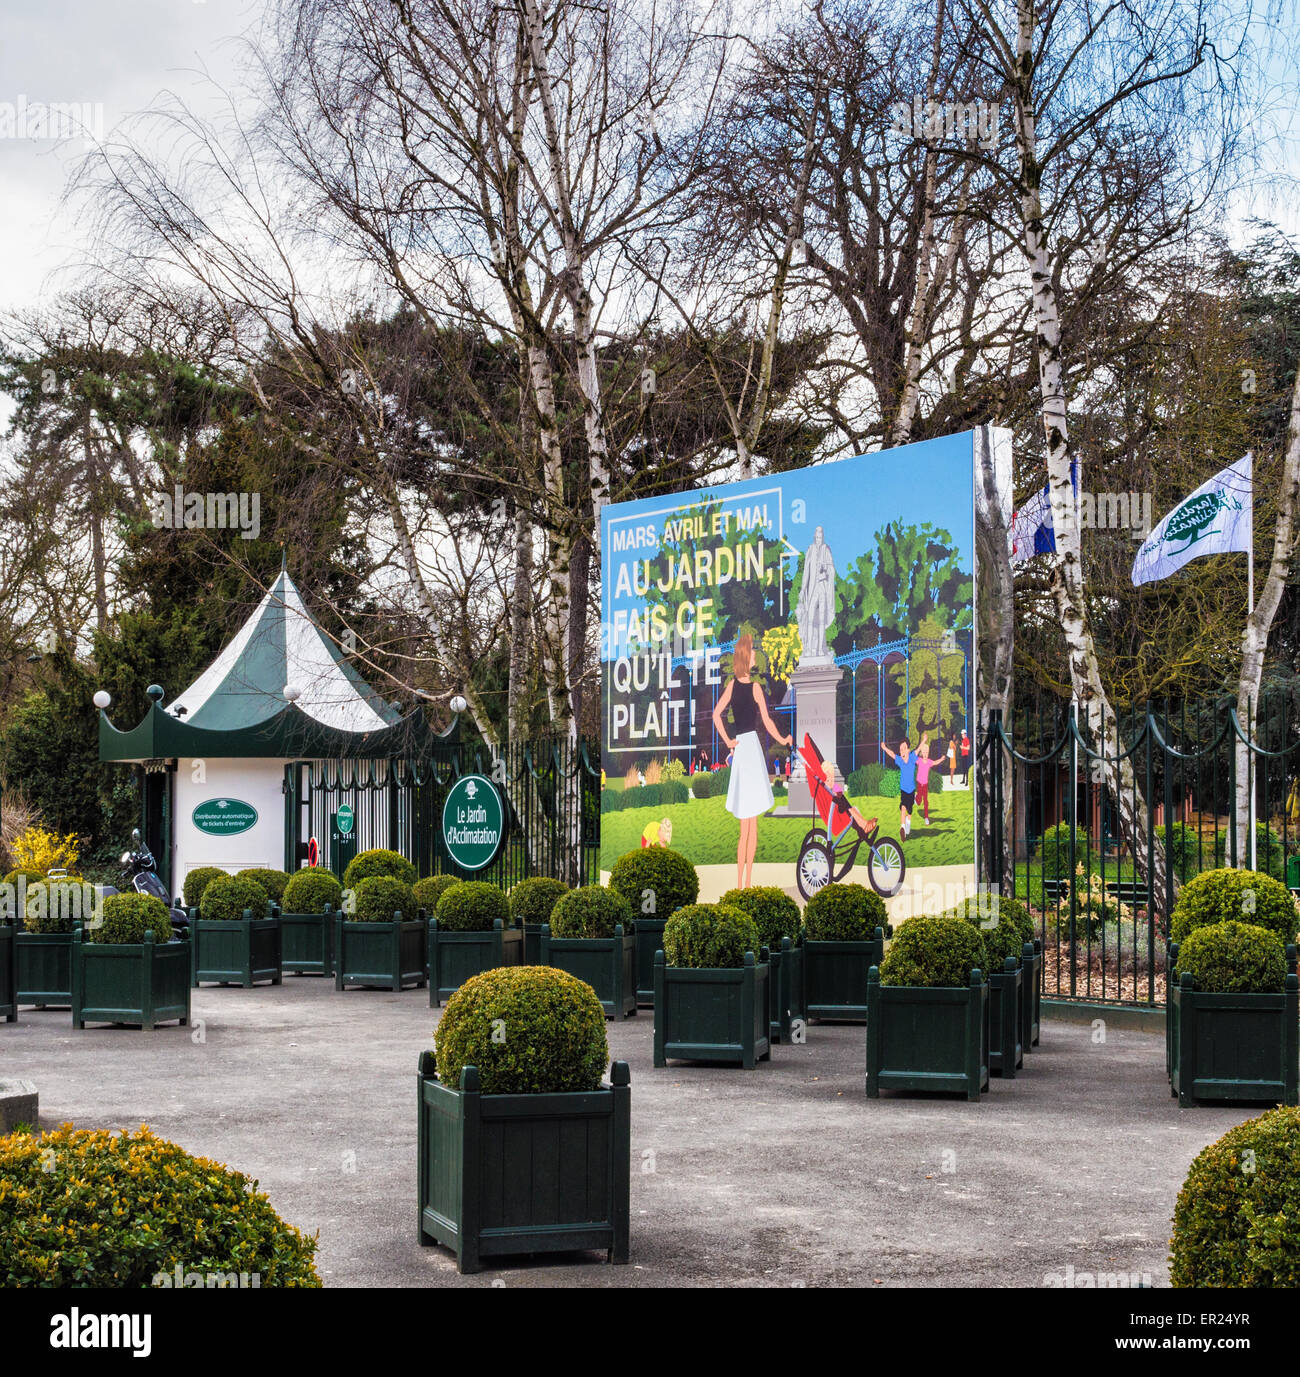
(1250, 708)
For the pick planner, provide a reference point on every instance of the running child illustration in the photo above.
(923, 767)
(749, 792)
(906, 763)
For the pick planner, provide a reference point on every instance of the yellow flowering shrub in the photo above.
(86, 1207)
(37, 848)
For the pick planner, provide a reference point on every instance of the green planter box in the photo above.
(1006, 1014)
(1234, 1047)
(44, 961)
(919, 1038)
(712, 1015)
(142, 983)
(502, 1174)
(8, 975)
(607, 964)
(835, 976)
(307, 943)
(388, 955)
(455, 956)
(1031, 1005)
(785, 987)
(533, 944)
(649, 940)
(235, 951)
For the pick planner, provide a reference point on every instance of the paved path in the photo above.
(786, 1175)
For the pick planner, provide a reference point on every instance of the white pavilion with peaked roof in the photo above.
(221, 760)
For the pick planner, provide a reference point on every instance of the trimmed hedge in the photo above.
(775, 913)
(843, 913)
(197, 881)
(1233, 958)
(1219, 896)
(655, 880)
(431, 889)
(308, 891)
(1237, 1220)
(56, 905)
(709, 937)
(1006, 937)
(227, 898)
(102, 1209)
(553, 1026)
(662, 795)
(272, 881)
(127, 917)
(711, 783)
(531, 901)
(592, 911)
(379, 898)
(366, 865)
(865, 779)
(935, 950)
(472, 906)
(1182, 849)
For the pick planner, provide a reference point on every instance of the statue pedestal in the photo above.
(816, 686)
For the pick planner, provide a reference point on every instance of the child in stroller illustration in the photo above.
(828, 852)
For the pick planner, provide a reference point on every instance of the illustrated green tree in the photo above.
(932, 680)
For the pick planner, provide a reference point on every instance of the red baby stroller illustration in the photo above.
(822, 858)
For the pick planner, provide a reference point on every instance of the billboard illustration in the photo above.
(787, 677)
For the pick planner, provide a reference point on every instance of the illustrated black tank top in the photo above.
(744, 710)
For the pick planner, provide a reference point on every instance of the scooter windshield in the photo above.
(146, 882)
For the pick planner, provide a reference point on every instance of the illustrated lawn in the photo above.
(704, 831)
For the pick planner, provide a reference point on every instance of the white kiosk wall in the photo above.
(258, 783)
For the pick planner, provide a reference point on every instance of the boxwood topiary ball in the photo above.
(775, 913)
(1233, 958)
(532, 900)
(472, 906)
(655, 880)
(379, 898)
(365, 865)
(1248, 896)
(127, 917)
(530, 1030)
(197, 881)
(592, 911)
(227, 897)
(272, 881)
(934, 950)
(78, 1201)
(1237, 1220)
(843, 913)
(1005, 931)
(308, 891)
(710, 937)
(429, 890)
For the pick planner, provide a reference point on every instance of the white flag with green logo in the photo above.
(1215, 519)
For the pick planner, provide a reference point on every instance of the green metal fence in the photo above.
(1101, 867)
(551, 790)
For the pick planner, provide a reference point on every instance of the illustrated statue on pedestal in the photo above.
(815, 680)
(816, 608)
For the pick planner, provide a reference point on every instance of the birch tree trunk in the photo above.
(1254, 639)
(1067, 581)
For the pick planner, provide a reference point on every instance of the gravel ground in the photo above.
(786, 1175)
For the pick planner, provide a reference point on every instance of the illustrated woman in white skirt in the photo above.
(749, 793)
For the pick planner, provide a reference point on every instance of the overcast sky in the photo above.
(114, 57)
(117, 58)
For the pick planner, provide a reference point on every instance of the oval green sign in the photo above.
(224, 817)
(344, 819)
(473, 822)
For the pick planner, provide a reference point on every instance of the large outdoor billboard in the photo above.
(787, 676)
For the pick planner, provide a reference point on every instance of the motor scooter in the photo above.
(140, 871)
